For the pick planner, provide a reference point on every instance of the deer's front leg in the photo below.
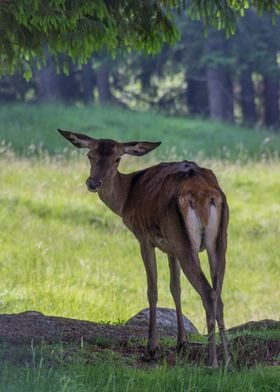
(149, 259)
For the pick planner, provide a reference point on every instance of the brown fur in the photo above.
(155, 188)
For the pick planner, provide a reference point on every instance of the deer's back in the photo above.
(194, 189)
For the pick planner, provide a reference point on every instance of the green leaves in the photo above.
(79, 28)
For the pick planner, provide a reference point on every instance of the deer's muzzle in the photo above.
(93, 184)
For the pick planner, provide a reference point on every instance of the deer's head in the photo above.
(105, 155)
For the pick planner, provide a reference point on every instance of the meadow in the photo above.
(62, 252)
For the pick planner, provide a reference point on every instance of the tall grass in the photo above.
(115, 377)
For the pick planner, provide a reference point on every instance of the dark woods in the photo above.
(234, 80)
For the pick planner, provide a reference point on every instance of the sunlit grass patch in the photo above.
(62, 252)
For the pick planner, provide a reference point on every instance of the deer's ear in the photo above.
(139, 148)
(80, 141)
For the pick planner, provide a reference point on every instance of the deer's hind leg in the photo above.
(217, 274)
(175, 289)
(216, 243)
(191, 268)
(181, 236)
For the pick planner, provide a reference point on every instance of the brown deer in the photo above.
(177, 207)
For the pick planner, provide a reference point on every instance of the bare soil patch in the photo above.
(250, 344)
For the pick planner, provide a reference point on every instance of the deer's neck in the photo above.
(114, 191)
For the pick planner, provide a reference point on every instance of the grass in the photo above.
(116, 377)
(30, 128)
(74, 368)
(62, 252)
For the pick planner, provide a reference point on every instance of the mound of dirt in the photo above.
(29, 328)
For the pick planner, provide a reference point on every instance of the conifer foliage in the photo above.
(77, 28)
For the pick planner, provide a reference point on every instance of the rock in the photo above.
(166, 319)
(30, 313)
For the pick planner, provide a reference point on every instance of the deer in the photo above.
(177, 207)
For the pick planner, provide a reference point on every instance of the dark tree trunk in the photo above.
(145, 76)
(21, 86)
(148, 67)
(271, 102)
(87, 83)
(47, 81)
(7, 90)
(219, 84)
(103, 84)
(196, 95)
(68, 87)
(220, 94)
(248, 98)
(228, 98)
(215, 93)
(47, 86)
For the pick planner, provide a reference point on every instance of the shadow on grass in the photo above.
(79, 215)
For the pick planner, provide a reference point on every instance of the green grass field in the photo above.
(62, 252)
(30, 128)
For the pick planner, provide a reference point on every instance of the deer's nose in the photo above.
(93, 184)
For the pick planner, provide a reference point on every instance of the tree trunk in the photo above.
(220, 94)
(248, 98)
(68, 86)
(47, 81)
(219, 84)
(196, 96)
(87, 83)
(215, 93)
(47, 87)
(271, 102)
(228, 98)
(103, 84)
(7, 90)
